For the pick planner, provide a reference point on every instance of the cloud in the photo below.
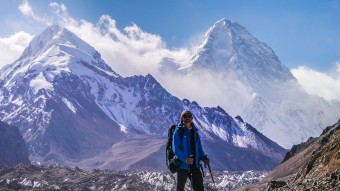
(318, 83)
(12, 47)
(132, 51)
(27, 10)
(60, 9)
(209, 89)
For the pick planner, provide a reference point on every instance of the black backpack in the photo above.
(171, 161)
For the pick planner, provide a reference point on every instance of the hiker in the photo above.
(188, 150)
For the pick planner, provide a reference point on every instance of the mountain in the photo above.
(230, 48)
(73, 109)
(44, 96)
(231, 143)
(274, 103)
(312, 165)
(13, 149)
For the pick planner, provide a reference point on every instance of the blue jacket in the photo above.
(182, 148)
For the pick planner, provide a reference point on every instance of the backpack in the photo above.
(171, 160)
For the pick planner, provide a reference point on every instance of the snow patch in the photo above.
(17, 101)
(40, 82)
(123, 128)
(69, 105)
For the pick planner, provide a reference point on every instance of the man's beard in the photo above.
(186, 121)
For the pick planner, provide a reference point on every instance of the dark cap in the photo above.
(186, 112)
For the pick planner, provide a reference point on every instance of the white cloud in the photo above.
(60, 9)
(27, 10)
(209, 89)
(12, 47)
(129, 52)
(318, 83)
(132, 51)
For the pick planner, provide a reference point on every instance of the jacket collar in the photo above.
(181, 124)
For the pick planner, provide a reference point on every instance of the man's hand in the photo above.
(206, 160)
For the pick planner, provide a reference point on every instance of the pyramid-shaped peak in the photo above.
(225, 36)
(226, 23)
(226, 29)
(58, 43)
(229, 48)
(54, 29)
(56, 35)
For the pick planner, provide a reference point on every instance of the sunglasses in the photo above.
(187, 116)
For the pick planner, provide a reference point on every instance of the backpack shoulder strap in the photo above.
(181, 132)
(170, 134)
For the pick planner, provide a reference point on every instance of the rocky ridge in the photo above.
(257, 86)
(314, 165)
(73, 109)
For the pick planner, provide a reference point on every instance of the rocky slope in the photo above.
(31, 177)
(12, 146)
(257, 86)
(314, 165)
(72, 108)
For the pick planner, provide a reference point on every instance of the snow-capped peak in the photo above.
(223, 31)
(55, 35)
(61, 90)
(54, 52)
(229, 48)
(58, 41)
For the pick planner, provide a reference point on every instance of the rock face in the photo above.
(73, 109)
(12, 146)
(272, 100)
(230, 48)
(314, 165)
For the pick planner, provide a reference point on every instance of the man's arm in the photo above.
(176, 142)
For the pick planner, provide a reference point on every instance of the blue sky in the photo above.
(301, 32)
(305, 34)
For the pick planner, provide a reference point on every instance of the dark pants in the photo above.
(195, 177)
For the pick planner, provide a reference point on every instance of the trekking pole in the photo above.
(203, 175)
(212, 176)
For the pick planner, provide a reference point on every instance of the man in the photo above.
(189, 152)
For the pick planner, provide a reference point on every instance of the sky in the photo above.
(305, 34)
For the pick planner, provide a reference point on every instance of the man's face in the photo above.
(186, 118)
